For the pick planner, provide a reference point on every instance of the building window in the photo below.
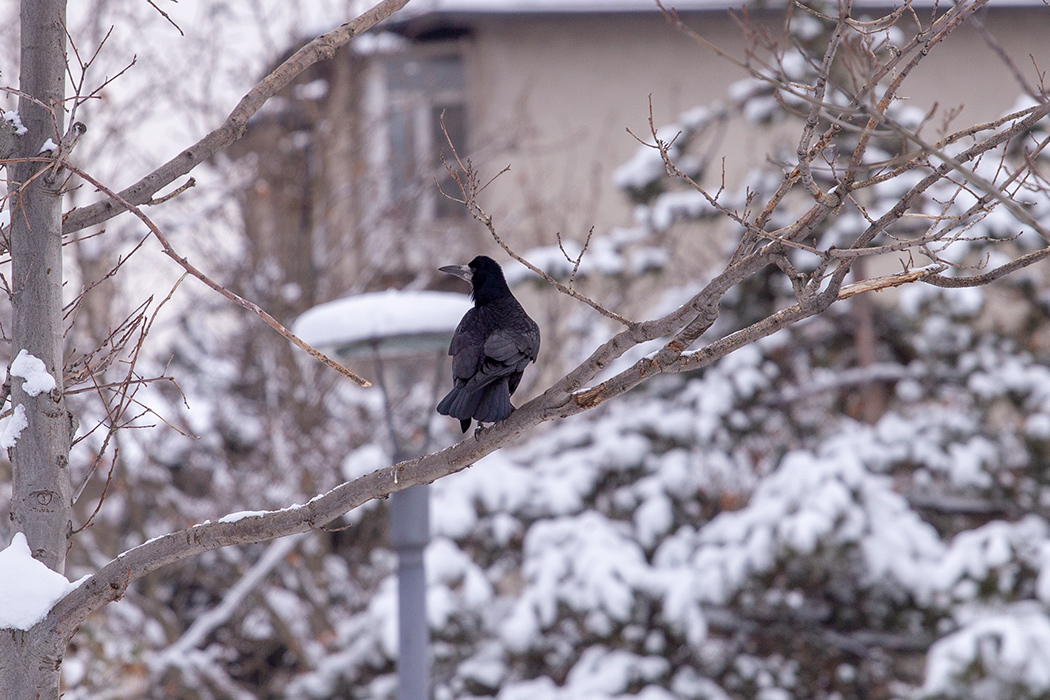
(424, 91)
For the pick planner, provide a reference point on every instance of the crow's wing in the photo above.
(507, 347)
(490, 349)
(494, 334)
(466, 348)
(498, 357)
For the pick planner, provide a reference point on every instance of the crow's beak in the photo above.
(462, 271)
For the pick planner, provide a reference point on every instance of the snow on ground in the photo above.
(28, 589)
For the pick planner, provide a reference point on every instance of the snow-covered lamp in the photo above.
(394, 323)
(404, 326)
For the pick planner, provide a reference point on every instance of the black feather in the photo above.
(490, 349)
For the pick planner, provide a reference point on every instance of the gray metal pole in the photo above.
(409, 534)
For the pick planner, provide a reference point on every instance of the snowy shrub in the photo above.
(999, 654)
(816, 517)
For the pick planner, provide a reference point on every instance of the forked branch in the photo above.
(236, 298)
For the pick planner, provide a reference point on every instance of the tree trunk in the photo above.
(29, 664)
(40, 506)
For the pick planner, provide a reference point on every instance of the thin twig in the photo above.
(174, 193)
(105, 487)
(990, 276)
(466, 180)
(579, 258)
(166, 16)
(321, 48)
(236, 298)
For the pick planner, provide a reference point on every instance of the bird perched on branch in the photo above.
(490, 348)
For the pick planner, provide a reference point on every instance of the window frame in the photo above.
(415, 200)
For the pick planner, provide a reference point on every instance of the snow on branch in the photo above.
(28, 588)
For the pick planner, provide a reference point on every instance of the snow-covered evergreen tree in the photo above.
(853, 507)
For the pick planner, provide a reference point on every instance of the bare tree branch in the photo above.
(319, 49)
(925, 233)
(236, 298)
(466, 179)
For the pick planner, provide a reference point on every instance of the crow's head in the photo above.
(485, 277)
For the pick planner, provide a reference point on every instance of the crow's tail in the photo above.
(444, 406)
(494, 404)
(488, 404)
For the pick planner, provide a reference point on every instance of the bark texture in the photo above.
(29, 664)
(41, 504)
(40, 507)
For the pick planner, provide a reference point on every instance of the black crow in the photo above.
(490, 348)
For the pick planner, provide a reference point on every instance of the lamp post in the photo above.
(397, 328)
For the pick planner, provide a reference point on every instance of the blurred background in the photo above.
(856, 507)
